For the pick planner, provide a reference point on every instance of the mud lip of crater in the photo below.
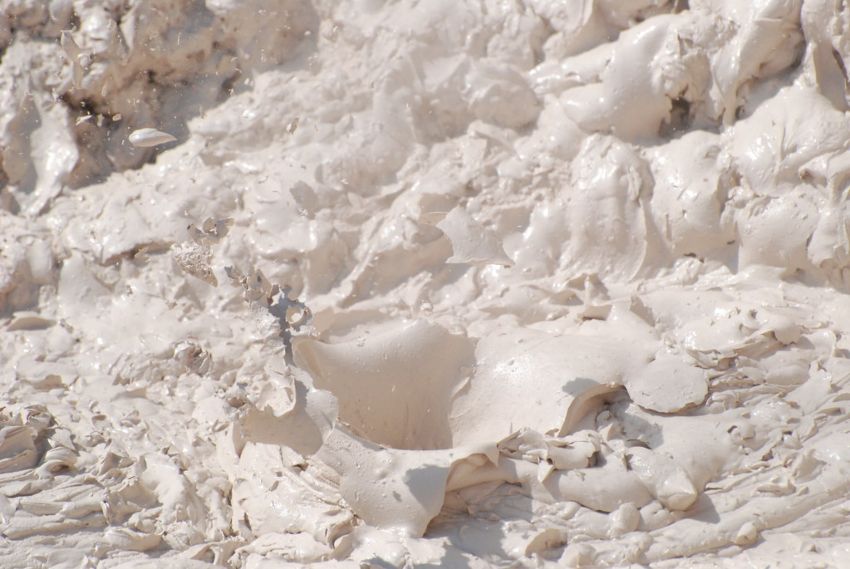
(414, 385)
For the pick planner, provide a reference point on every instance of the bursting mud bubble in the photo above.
(373, 283)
